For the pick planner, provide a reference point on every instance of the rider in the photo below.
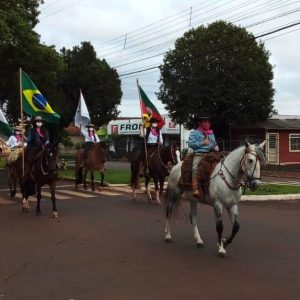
(202, 140)
(15, 140)
(15, 144)
(37, 138)
(153, 138)
(90, 138)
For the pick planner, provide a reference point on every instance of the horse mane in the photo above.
(259, 151)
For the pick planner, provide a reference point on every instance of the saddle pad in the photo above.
(205, 168)
(186, 171)
(14, 155)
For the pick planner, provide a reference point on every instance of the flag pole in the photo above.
(143, 132)
(22, 124)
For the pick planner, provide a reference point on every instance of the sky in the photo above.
(133, 35)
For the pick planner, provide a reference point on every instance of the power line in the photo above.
(131, 55)
(62, 9)
(216, 50)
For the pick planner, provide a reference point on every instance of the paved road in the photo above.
(105, 247)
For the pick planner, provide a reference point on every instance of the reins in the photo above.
(159, 156)
(242, 163)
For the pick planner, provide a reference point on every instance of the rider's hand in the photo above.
(216, 148)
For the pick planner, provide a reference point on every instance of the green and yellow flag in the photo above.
(34, 103)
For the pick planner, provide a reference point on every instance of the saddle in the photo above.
(14, 155)
(205, 168)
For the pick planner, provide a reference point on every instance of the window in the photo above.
(294, 142)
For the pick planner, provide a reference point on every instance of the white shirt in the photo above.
(13, 142)
(152, 139)
(88, 138)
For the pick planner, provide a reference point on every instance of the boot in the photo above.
(197, 192)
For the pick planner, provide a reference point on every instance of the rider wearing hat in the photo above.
(37, 138)
(90, 138)
(15, 140)
(153, 138)
(37, 135)
(202, 140)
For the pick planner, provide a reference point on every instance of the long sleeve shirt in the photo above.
(152, 138)
(91, 137)
(13, 142)
(196, 142)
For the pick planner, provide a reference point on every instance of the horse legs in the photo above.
(157, 190)
(84, 178)
(25, 202)
(193, 221)
(147, 180)
(52, 186)
(233, 214)
(38, 198)
(218, 208)
(12, 181)
(92, 180)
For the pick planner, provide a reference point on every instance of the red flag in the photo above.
(148, 108)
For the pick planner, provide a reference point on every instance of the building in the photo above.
(282, 135)
(124, 135)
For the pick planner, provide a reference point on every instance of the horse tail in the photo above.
(79, 175)
(173, 192)
(134, 180)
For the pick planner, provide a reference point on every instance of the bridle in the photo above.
(173, 161)
(243, 168)
(46, 160)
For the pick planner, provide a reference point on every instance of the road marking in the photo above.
(30, 198)
(84, 195)
(5, 201)
(45, 194)
(107, 193)
(60, 197)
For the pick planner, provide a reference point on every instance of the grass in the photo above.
(272, 189)
(123, 176)
(111, 176)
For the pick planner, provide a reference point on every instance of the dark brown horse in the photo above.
(96, 157)
(158, 168)
(43, 170)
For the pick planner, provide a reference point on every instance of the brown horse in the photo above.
(96, 157)
(158, 167)
(42, 171)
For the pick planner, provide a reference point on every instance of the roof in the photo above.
(273, 123)
(73, 130)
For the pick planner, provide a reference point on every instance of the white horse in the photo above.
(224, 191)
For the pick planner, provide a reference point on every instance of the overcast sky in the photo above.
(152, 27)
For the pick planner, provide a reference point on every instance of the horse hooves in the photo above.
(25, 209)
(200, 245)
(55, 214)
(168, 240)
(222, 254)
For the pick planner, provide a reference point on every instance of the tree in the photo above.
(20, 47)
(100, 84)
(219, 69)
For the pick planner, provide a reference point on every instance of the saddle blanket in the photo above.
(205, 168)
(14, 155)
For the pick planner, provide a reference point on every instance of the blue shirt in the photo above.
(196, 142)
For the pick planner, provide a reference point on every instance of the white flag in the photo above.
(82, 116)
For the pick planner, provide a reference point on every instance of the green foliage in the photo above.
(218, 69)
(59, 76)
(65, 139)
(99, 83)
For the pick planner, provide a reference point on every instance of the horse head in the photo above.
(251, 161)
(51, 155)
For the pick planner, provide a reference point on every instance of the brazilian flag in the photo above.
(34, 103)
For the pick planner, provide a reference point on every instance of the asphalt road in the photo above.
(103, 246)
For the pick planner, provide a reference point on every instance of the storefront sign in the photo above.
(133, 127)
